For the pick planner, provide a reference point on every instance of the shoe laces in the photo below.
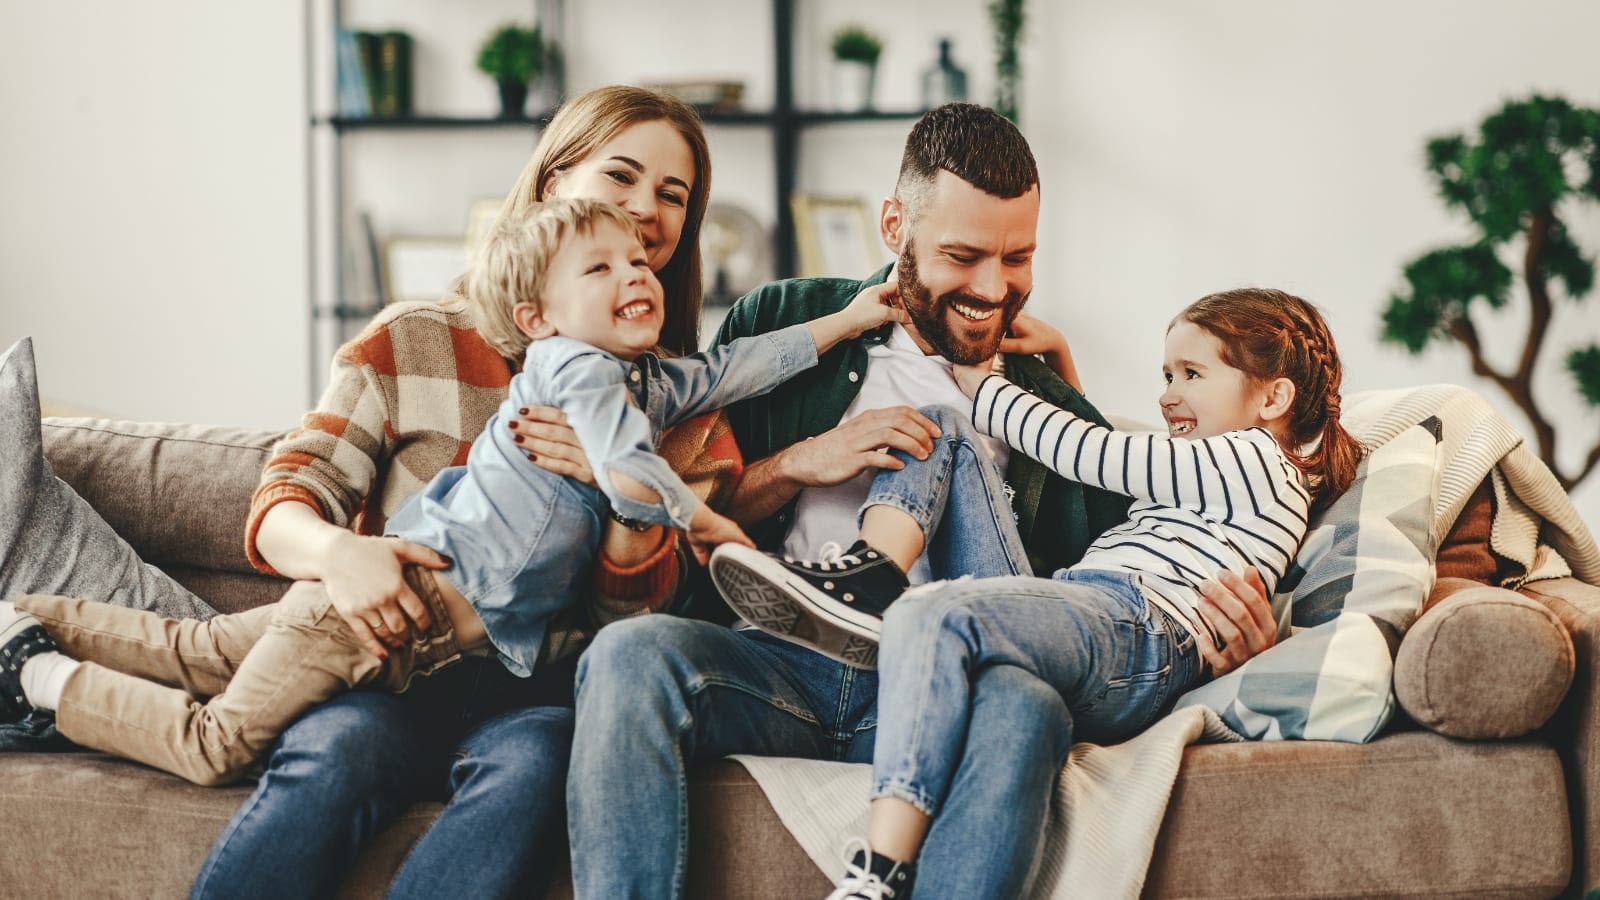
(831, 556)
(859, 883)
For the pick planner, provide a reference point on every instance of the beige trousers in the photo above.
(137, 693)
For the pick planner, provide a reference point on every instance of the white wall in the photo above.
(152, 224)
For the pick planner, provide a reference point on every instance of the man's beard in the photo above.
(963, 346)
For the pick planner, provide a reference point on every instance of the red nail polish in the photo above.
(523, 411)
(513, 425)
(518, 439)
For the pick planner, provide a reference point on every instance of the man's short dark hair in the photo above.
(973, 143)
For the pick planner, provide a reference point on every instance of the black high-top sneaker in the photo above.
(873, 876)
(834, 605)
(21, 636)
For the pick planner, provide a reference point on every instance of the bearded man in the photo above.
(658, 694)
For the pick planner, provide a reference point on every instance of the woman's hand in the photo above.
(362, 575)
(709, 528)
(1033, 336)
(1240, 613)
(551, 443)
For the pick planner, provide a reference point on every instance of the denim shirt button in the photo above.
(855, 376)
(634, 376)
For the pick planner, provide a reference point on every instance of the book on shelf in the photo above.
(373, 73)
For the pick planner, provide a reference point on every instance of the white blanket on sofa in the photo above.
(1110, 800)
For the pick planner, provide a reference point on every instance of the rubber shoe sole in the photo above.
(773, 599)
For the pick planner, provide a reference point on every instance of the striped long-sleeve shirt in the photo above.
(1200, 506)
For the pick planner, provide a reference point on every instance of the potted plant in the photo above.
(1006, 19)
(514, 57)
(855, 67)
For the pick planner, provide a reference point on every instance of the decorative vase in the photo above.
(944, 81)
(852, 85)
(513, 97)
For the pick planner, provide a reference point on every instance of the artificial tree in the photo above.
(1005, 19)
(1511, 181)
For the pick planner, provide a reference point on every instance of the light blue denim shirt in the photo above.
(522, 541)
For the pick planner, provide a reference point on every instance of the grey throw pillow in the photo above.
(51, 540)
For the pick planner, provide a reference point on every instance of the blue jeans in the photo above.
(658, 695)
(474, 735)
(958, 498)
(1113, 660)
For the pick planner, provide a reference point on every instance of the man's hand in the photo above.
(708, 528)
(363, 579)
(858, 445)
(1240, 612)
(551, 443)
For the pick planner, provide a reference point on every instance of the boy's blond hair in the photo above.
(514, 259)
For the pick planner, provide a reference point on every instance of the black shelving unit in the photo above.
(784, 120)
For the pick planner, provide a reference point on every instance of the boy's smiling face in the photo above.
(600, 290)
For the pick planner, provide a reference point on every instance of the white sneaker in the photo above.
(871, 878)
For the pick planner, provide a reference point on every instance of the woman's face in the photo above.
(648, 170)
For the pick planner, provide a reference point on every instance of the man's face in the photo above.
(967, 268)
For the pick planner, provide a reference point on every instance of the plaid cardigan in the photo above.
(406, 398)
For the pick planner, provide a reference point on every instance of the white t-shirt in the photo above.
(898, 374)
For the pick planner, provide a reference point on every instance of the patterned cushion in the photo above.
(1358, 582)
(51, 540)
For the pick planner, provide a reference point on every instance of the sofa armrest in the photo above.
(1575, 729)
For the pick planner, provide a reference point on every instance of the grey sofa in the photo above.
(1414, 813)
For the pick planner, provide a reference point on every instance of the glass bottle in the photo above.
(944, 81)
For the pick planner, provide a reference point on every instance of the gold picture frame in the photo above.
(835, 236)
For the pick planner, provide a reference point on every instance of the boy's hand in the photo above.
(708, 528)
(969, 377)
(874, 306)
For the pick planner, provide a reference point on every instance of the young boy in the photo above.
(571, 283)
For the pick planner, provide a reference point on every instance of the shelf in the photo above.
(710, 117)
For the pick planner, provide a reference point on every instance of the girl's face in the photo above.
(648, 170)
(1205, 396)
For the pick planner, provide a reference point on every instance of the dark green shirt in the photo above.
(1057, 518)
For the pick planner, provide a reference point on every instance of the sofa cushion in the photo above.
(1358, 581)
(179, 494)
(1484, 663)
(51, 540)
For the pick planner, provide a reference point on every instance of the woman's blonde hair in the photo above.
(586, 123)
(512, 263)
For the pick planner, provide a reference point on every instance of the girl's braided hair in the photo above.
(1271, 334)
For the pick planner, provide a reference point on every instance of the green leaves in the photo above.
(1584, 364)
(1443, 285)
(1522, 162)
(513, 53)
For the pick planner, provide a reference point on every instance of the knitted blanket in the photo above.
(1110, 800)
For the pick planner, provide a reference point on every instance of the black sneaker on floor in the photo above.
(834, 606)
(21, 636)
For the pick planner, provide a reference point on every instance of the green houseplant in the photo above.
(1006, 19)
(855, 66)
(514, 57)
(1529, 163)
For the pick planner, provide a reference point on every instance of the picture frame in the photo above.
(835, 236)
(481, 216)
(422, 268)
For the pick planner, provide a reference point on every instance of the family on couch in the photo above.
(654, 694)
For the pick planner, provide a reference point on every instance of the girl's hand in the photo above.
(1032, 336)
(551, 443)
(969, 377)
(708, 528)
(363, 579)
